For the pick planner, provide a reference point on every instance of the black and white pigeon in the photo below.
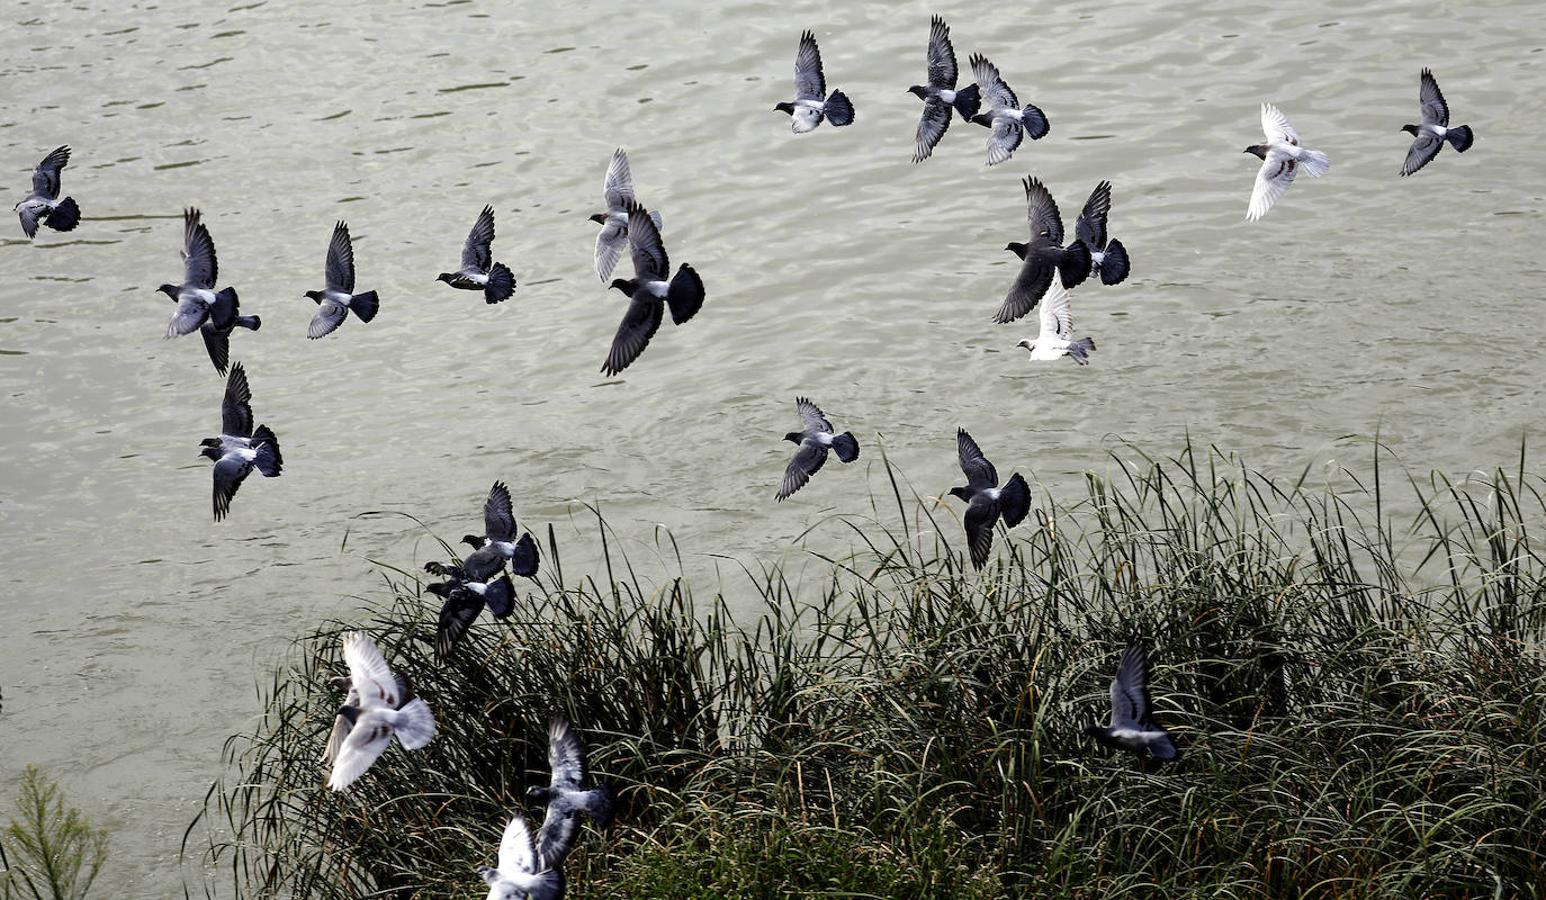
(385, 708)
(566, 796)
(217, 341)
(613, 237)
(1056, 337)
(497, 546)
(43, 204)
(1130, 728)
(197, 300)
(464, 601)
(240, 448)
(479, 272)
(1108, 258)
(814, 438)
(986, 502)
(336, 300)
(1435, 129)
(648, 292)
(939, 96)
(1043, 256)
(522, 873)
(1007, 121)
(811, 101)
(1281, 159)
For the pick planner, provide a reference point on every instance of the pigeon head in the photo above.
(339, 681)
(599, 218)
(784, 108)
(795, 437)
(1016, 248)
(985, 119)
(626, 285)
(314, 295)
(962, 493)
(447, 277)
(1413, 130)
(210, 453)
(1026, 343)
(168, 289)
(210, 442)
(922, 93)
(537, 794)
(351, 713)
(473, 541)
(1259, 149)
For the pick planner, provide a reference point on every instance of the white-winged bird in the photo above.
(566, 796)
(1281, 159)
(385, 708)
(521, 873)
(613, 236)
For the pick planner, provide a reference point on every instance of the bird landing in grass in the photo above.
(1130, 728)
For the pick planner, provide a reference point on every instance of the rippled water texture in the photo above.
(134, 629)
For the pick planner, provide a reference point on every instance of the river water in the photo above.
(135, 629)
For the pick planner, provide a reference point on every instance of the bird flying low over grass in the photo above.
(479, 272)
(1281, 159)
(814, 439)
(1130, 728)
(43, 204)
(811, 102)
(521, 874)
(380, 706)
(1429, 137)
(566, 796)
(464, 601)
(497, 545)
(986, 502)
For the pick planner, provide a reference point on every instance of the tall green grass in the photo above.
(1360, 702)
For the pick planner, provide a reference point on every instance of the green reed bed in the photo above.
(1360, 704)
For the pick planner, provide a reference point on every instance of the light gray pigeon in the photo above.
(336, 300)
(986, 502)
(814, 438)
(521, 873)
(197, 300)
(240, 448)
(1281, 159)
(1435, 129)
(649, 293)
(43, 204)
(479, 272)
(939, 96)
(613, 237)
(1008, 122)
(565, 796)
(384, 710)
(1131, 728)
(811, 102)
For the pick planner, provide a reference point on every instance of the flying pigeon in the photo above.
(940, 94)
(565, 797)
(1044, 255)
(648, 292)
(1435, 129)
(1108, 258)
(385, 707)
(240, 448)
(613, 236)
(464, 600)
(197, 301)
(811, 101)
(43, 204)
(1282, 158)
(1057, 330)
(497, 546)
(479, 272)
(813, 439)
(1007, 121)
(521, 874)
(217, 341)
(1130, 727)
(986, 502)
(335, 300)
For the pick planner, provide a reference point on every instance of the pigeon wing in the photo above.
(1434, 110)
(1275, 126)
(329, 316)
(335, 739)
(200, 268)
(639, 324)
(1003, 139)
(364, 745)
(650, 262)
(1091, 227)
(45, 178)
(1030, 284)
(932, 126)
(994, 90)
(1129, 691)
(516, 854)
(218, 344)
(1057, 319)
(610, 241)
(229, 471)
(236, 409)
(556, 837)
(340, 260)
(1424, 148)
(499, 514)
(618, 188)
(807, 461)
(809, 81)
(475, 252)
(1042, 213)
(942, 56)
(980, 474)
(981, 515)
(369, 673)
(189, 315)
(1272, 179)
(812, 419)
(458, 613)
(566, 757)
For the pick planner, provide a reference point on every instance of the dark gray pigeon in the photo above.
(1434, 130)
(986, 502)
(649, 293)
(566, 796)
(522, 872)
(1044, 255)
(43, 204)
(814, 438)
(240, 448)
(1130, 728)
(336, 300)
(218, 340)
(613, 237)
(1008, 122)
(479, 272)
(1108, 258)
(197, 300)
(811, 102)
(939, 96)
(497, 546)
(464, 601)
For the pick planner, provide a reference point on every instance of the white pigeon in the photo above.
(1056, 338)
(1282, 158)
(517, 875)
(1130, 728)
(383, 710)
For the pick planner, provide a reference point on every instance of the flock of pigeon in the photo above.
(380, 704)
